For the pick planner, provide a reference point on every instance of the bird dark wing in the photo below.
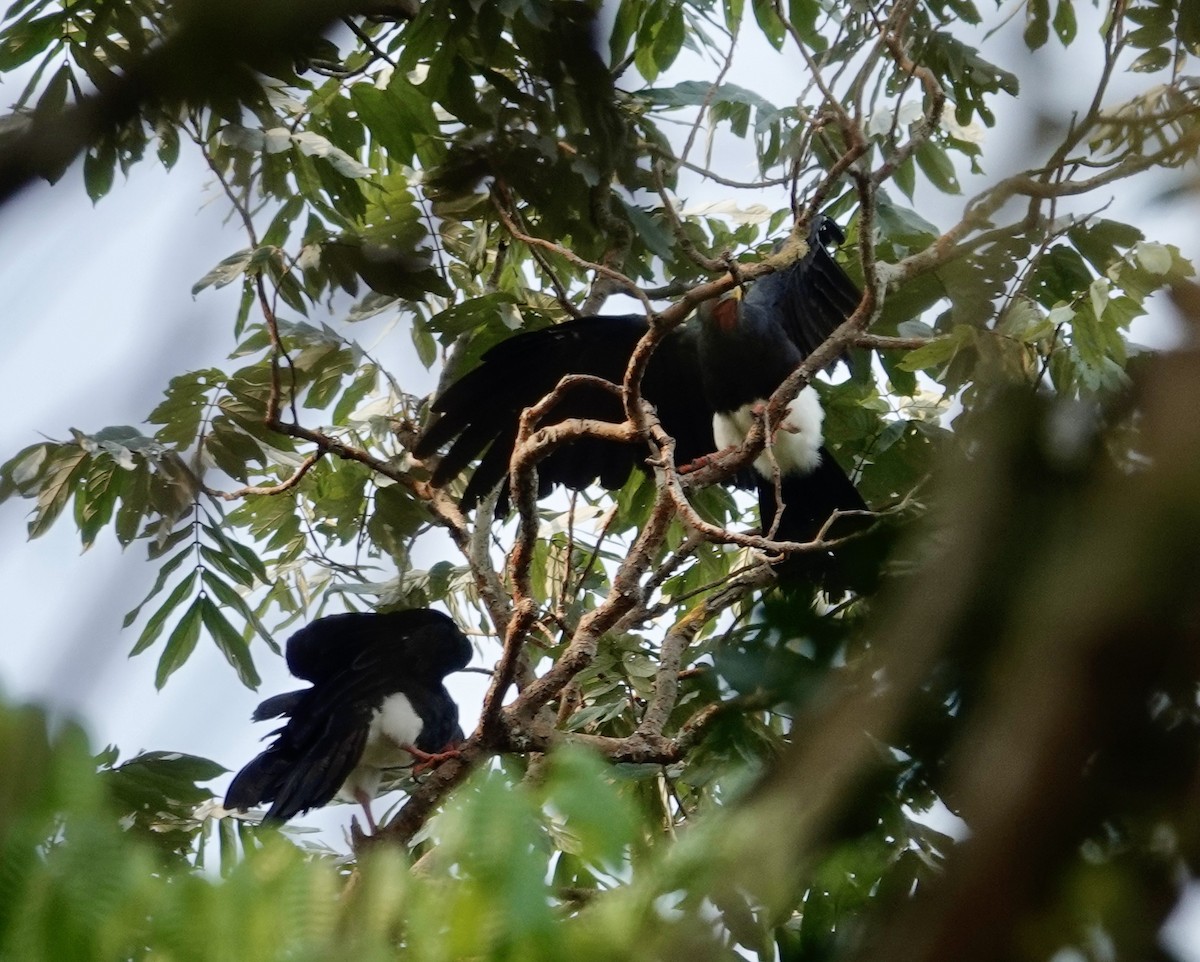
(323, 647)
(433, 648)
(811, 298)
(479, 413)
(259, 779)
(310, 757)
(323, 761)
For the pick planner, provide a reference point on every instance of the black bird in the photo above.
(704, 379)
(377, 702)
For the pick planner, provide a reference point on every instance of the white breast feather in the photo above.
(797, 447)
(394, 723)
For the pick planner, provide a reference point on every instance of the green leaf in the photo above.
(99, 170)
(233, 646)
(624, 26)
(805, 15)
(586, 791)
(1060, 275)
(176, 767)
(1152, 61)
(1064, 22)
(312, 144)
(54, 97)
(229, 270)
(218, 561)
(399, 118)
(167, 540)
(1037, 26)
(168, 146)
(180, 644)
(1156, 32)
(231, 599)
(471, 314)
(19, 474)
(643, 58)
(650, 230)
(157, 620)
(135, 504)
(233, 449)
(1103, 242)
(938, 167)
(1155, 258)
(425, 343)
(234, 547)
(185, 403)
(696, 93)
(96, 497)
(1188, 29)
(905, 177)
(364, 383)
(936, 353)
(770, 24)
(396, 517)
(1098, 292)
(24, 41)
(733, 10)
(277, 233)
(67, 467)
(328, 379)
(904, 226)
(1024, 321)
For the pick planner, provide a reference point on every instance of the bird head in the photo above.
(437, 647)
(722, 312)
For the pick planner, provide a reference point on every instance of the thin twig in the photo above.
(254, 491)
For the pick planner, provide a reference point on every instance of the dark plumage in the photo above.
(704, 379)
(377, 701)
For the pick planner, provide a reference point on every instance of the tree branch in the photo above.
(254, 491)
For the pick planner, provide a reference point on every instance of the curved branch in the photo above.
(253, 491)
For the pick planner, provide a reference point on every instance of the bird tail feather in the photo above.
(809, 501)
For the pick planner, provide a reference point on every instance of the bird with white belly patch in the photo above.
(377, 702)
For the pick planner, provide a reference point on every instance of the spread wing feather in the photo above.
(811, 298)
(479, 413)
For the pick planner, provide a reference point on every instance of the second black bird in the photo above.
(377, 702)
